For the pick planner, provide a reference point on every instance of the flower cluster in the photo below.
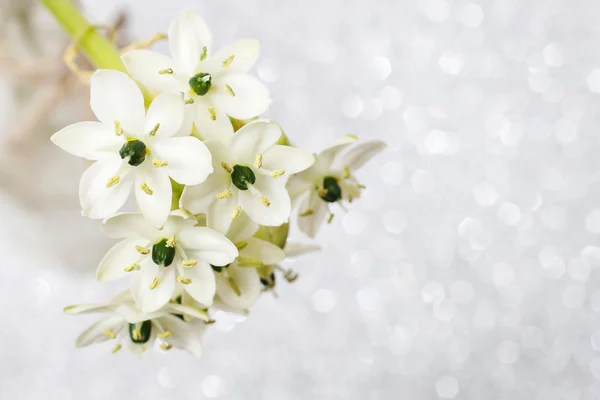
(215, 186)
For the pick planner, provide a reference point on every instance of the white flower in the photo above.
(141, 330)
(132, 147)
(163, 262)
(330, 180)
(214, 84)
(248, 171)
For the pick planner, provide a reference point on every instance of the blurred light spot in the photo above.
(323, 300)
(447, 387)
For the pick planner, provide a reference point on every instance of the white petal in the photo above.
(133, 315)
(156, 203)
(220, 213)
(115, 97)
(97, 200)
(247, 281)
(255, 137)
(262, 250)
(186, 309)
(219, 304)
(291, 159)
(207, 244)
(242, 228)
(150, 300)
(189, 161)
(88, 140)
(120, 256)
(277, 213)
(251, 97)
(202, 288)
(130, 225)
(297, 187)
(219, 128)
(167, 111)
(186, 335)
(88, 308)
(245, 53)
(329, 153)
(197, 199)
(298, 249)
(310, 224)
(360, 154)
(144, 65)
(95, 333)
(188, 34)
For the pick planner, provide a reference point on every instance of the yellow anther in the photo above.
(153, 131)
(132, 267)
(148, 151)
(142, 250)
(189, 101)
(213, 113)
(306, 213)
(165, 346)
(164, 335)
(346, 172)
(117, 348)
(237, 210)
(227, 167)
(204, 53)
(159, 163)
(255, 262)
(114, 180)
(136, 334)
(224, 195)
(322, 192)
(172, 241)
(330, 218)
(154, 283)
(229, 60)
(241, 245)
(146, 188)
(109, 334)
(230, 90)
(118, 129)
(265, 201)
(258, 161)
(184, 280)
(168, 71)
(234, 286)
(189, 263)
(278, 173)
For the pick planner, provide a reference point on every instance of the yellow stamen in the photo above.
(148, 151)
(189, 101)
(237, 210)
(168, 71)
(234, 286)
(230, 90)
(265, 201)
(154, 130)
(258, 161)
(204, 53)
(172, 241)
(118, 129)
(241, 245)
(224, 195)
(184, 280)
(278, 173)
(109, 334)
(117, 348)
(164, 335)
(229, 60)
(213, 113)
(227, 167)
(154, 283)
(306, 213)
(159, 163)
(132, 267)
(322, 192)
(114, 180)
(346, 172)
(146, 188)
(250, 261)
(330, 218)
(189, 263)
(136, 334)
(142, 250)
(165, 346)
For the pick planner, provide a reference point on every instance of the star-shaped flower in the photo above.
(132, 147)
(330, 180)
(248, 171)
(213, 84)
(164, 262)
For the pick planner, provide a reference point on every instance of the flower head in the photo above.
(330, 180)
(214, 84)
(248, 171)
(164, 262)
(132, 147)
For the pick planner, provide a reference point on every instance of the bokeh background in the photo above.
(468, 270)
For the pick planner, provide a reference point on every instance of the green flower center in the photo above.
(142, 334)
(242, 176)
(162, 254)
(200, 83)
(135, 150)
(332, 189)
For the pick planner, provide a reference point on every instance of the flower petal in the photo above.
(188, 34)
(131, 226)
(262, 250)
(186, 335)
(291, 159)
(253, 138)
(88, 140)
(119, 257)
(97, 200)
(95, 333)
(220, 213)
(153, 194)
(241, 228)
(203, 287)
(115, 97)
(329, 153)
(297, 187)
(360, 154)
(246, 280)
(311, 223)
(211, 123)
(244, 52)
(279, 209)
(149, 300)
(186, 309)
(197, 199)
(189, 161)
(207, 244)
(246, 97)
(144, 66)
(87, 308)
(133, 315)
(298, 249)
(166, 112)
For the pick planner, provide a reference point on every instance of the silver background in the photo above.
(468, 270)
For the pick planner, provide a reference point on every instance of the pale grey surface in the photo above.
(469, 270)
